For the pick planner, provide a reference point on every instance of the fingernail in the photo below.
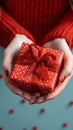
(37, 94)
(32, 101)
(7, 73)
(27, 97)
(62, 79)
(41, 100)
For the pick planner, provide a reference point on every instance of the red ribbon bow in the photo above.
(40, 61)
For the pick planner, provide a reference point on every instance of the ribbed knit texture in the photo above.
(64, 29)
(42, 20)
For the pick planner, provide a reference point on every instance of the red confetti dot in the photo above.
(71, 102)
(65, 124)
(0, 76)
(11, 111)
(1, 128)
(42, 110)
(23, 101)
(35, 128)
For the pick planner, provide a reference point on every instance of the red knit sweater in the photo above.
(42, 20)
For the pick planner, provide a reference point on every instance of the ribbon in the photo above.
(40, 61)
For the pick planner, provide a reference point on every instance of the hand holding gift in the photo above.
(36, 69)
(68, 61)
(66, 72)
(9, 55)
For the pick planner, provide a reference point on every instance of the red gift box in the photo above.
(36, 68)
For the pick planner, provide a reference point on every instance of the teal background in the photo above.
(58, 110)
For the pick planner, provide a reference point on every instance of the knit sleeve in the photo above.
(64, 29)
(9, 28)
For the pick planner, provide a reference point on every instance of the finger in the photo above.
(37, 94)
(37, 100)
(59, 88)
(40, 100)
(34, 98)
(10, 52)
(17, 91)
(67, 68)
(7, 61)
(14, 89)
(26, 95)
(32, 101)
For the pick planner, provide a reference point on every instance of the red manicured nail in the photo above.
(71, 102)
(0, 76)
(65, 124)
(11, 111)
(1, 128)
(35, 128)
(42, 110)
(7, 72)
(62, 79)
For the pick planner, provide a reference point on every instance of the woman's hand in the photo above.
(66, 72)
(9, 53)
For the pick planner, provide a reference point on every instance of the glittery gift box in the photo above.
(36, 68)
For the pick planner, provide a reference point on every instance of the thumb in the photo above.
(67, 68)
(8, 57)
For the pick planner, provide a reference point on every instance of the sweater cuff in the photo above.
(9, 28)
(64, 29)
